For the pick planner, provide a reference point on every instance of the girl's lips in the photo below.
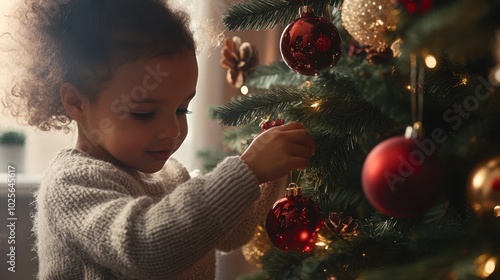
(160, 155)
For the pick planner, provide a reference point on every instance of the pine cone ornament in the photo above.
(396, 47)
(239, 59)
(344, 228)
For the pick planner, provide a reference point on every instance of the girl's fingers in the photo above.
(299, 162)
(301, 137)
(296, 150)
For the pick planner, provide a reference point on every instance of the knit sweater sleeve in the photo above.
(244, 231)
(92, 212)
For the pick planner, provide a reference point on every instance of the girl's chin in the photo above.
(152, 167)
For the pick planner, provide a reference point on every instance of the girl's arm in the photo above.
(245, 230)
(91, 211)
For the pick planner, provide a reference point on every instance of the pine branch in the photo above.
(378, 85)
(265, 14)
(348, 199)
(396, 242)
(465, 29)
(276, 74)
(340, 115)
(279, 74)
(328, 167)
(234, 135)
(474, 141)
(255, 108)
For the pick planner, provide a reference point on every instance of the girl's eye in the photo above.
(183, 112)
(143, 116)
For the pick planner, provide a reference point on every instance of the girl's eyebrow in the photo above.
(153, 101)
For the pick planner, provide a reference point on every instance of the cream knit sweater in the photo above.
(96, 221)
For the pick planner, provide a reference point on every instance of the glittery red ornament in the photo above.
(310, 44)
(402, 177)
(417, 6)
(293, 222)
(270, 124)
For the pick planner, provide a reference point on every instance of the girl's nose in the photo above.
(169, 128)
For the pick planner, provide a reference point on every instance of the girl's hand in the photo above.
(278, 150)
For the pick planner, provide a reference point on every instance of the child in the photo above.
(113, 207)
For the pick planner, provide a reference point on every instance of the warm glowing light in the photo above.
(315, 105)
(486, 265)
(304, 235)
(321, 244)
(489, 267)
(496, 211)
(244, 90)
(464, 81)
(430, 61)
(497, 75)
(478, 180)
(408, 87)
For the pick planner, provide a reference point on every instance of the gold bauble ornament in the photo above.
(483, 187)
(368, 20)
(257, 247)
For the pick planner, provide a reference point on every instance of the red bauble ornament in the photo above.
(293, 222)
(495, 185)
(402, 177)
(417, 6)
(310, 44)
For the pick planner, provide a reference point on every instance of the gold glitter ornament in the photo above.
(367, 20)
(257, 247)
(483, 187)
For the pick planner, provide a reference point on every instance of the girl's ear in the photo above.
(73, 101)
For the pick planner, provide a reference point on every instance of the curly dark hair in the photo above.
(83, 42)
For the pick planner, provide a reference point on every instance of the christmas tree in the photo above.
(402, 100)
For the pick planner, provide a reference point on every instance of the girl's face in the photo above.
(139, 117)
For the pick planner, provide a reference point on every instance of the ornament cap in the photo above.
(293, 190)
(306, 11)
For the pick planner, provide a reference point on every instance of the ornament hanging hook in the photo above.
(417, 77)
(294, 184)
(417, 87)
(293, 188)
